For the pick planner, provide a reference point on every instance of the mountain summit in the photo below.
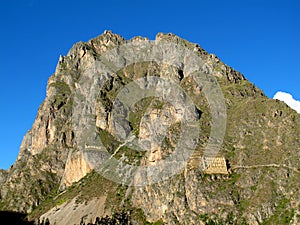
(155, 132)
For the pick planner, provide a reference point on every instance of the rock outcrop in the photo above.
(88, 123)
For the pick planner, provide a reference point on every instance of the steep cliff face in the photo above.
(88, 123)
(3, 176)
(44, 151)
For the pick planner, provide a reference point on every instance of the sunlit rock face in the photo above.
(85, 121)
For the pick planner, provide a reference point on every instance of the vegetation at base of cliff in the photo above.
(91, 186)
(36, 188)
(132, 217)
(119, 198)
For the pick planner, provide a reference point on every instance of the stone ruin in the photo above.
(214, 165)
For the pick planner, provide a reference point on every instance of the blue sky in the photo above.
(260, 38)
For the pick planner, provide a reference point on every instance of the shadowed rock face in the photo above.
(75, 131)
(13, 218)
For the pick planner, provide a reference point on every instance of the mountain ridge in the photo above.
(260, 131)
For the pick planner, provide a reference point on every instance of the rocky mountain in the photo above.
(155, 132)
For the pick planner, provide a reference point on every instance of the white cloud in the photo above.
(288, 99)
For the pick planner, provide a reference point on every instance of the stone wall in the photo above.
(214, 165)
